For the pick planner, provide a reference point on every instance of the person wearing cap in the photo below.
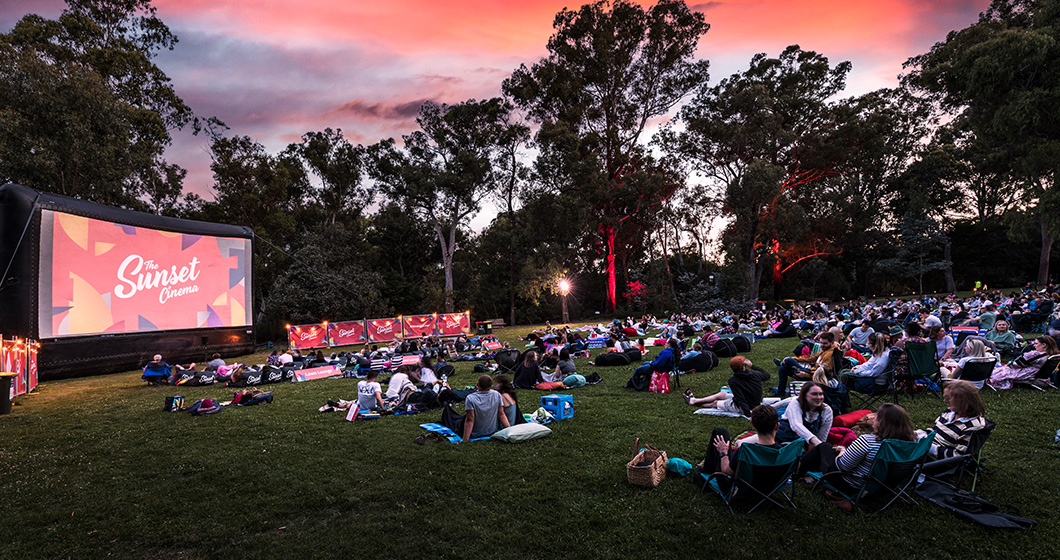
(746, 387)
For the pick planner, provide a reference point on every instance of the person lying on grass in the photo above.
(746, 387)
(484, 410)
(722, 455)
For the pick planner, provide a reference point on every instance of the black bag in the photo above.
(272, 375)
(609, 359)
(743, 344)
(634, 354)
(704, 361)
(204, 378)
(452, 419)
(253, 377)
(725, 348)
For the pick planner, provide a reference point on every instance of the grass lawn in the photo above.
(93, 467)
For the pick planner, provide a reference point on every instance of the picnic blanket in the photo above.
(446, 432)
(717, 412)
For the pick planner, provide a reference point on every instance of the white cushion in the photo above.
(522, 432)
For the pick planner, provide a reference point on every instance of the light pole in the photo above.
(564, 289)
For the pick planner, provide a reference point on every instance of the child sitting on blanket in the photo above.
(746, 387)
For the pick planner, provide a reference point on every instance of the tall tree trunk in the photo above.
(609, 237)
(947, 255)
(447, 261)
(1047, 248)
(666, 259)
(754, 275)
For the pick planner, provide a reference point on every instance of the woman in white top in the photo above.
(866, 374)
(807, 417)
(402, 382)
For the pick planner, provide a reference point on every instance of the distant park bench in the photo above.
(497, 322)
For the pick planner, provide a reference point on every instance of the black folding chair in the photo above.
(965, 463)
(977, 371)
(507, 359)
(1044, 378)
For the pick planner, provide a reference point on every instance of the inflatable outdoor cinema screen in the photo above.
(104, 289)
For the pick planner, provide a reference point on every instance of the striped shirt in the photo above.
(858, 458)
(952, 434)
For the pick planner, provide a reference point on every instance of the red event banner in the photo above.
(104, 277)
(33, 346)
(347, 333)
(417, 326)
(454, 324)
(383, 330)
(13, 354)
(300, 337)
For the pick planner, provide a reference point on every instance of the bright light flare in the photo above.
(564, 286)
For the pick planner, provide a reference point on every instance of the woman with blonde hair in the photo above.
(974, 351)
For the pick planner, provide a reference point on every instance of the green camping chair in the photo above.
(923, 367)
(894, 470)
(760, 473)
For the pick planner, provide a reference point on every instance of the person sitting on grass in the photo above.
(370, 393)
(484, 411)
(802, 367)
(965, 414)
(528, 372)
(723, 455)
(509, 402)
(746, 387)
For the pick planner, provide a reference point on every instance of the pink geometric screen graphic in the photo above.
(114, 278)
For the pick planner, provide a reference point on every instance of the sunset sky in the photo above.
(276, 69)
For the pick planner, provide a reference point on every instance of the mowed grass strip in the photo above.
(93, 466)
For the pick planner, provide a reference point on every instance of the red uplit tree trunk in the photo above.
(609, 243)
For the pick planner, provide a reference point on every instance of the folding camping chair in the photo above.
(1044, 378)
(507, 359)
(871, 399)
(923, 367)
(894, 470)
(972, 461)
(156, 373)
(978, 372)
(760, 473)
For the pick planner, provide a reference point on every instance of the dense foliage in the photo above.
(767, 182)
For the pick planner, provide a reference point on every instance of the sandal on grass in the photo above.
(688, 396)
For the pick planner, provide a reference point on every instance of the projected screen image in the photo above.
(102, 277)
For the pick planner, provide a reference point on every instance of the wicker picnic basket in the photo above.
(647, 467)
